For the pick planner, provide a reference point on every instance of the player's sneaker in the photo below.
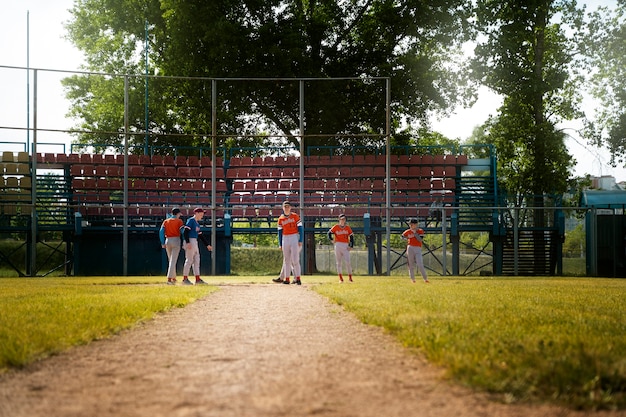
(340, 280)
(297, 281)
(277, 280)
(200, 282)
(286, 281)
(350, 279)
(426, 281)
(171, 281)
(186, 282)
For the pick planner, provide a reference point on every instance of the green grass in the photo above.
(40, 317)
(560, 340)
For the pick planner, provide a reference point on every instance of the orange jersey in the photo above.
(412, 236)
(342, 234)
(289, 225)
(172, 227)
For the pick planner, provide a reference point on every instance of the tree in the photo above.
(527, 57)
(409, 41)
(605, 46)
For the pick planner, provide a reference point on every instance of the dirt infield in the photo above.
(248, 350)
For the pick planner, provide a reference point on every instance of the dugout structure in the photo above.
(117, 195)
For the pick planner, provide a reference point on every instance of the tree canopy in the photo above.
(605, 43)
(414, 43)
(527, 56)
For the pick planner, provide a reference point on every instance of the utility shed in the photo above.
(605, 223)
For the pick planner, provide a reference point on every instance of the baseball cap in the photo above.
(198, 210)
(342, 216)
(175, 211)
(413, 221)
(286, 203)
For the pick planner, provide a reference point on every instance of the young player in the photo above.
(290, 236)
(169, 233)
(343, 243)
(191, 234)
(414, 235)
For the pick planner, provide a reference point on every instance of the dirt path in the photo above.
(258, 350)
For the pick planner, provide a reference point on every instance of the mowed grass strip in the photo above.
(41, 317)
(530, 339)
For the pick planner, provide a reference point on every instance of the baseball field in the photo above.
(526, 340)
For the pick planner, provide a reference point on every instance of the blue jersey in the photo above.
(193, 226)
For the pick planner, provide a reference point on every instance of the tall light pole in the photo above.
(147, 120)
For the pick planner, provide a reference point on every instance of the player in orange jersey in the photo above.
(343, 242)
(290, 236)
(169, 233)
(414, 235)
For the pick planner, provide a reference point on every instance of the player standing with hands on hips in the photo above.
(415, 236)
(191, 234)
(290, 235)
(343, 242)
(169, 233)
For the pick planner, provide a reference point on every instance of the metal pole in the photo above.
(301, 176)
(33, 212)
(444, 231)
(388, 167)
(147, 120)
(515, 241)
(125, 228)
(28, 83)
(213, 172)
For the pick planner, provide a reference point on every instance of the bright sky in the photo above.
(48, 50)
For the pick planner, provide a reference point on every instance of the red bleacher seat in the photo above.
(401, 184)
(402, 172)
(405, 160)
(425, 184)
(355, 172)
(150, 184)
(168, 160)
(115, 171)
(461, 160)
(379, 172)
(78, 183)
(135, 170)
(76, 170)
(437, 184)
(180, 161)
(426, 159)
(115, 184)
(101, 170)
(380, 159)
(205, 161)
(438, 159)
(197, 185)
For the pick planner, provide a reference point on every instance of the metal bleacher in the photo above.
(250, 189)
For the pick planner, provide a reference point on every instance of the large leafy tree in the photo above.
(528, 56)
(605, 44)
(411, 41)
